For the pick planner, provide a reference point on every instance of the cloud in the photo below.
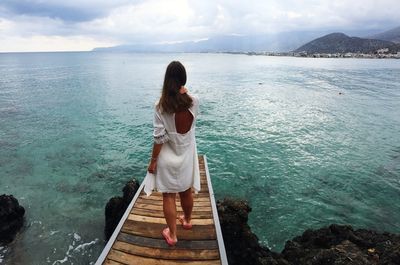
(152, 21)
(155, 21)
(68, 11)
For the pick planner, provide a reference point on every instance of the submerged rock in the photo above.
(11, 217)
(116, 207)
(333, 245)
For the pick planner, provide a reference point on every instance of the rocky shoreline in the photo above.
(335, 244)
(382, 55)
(332, 245)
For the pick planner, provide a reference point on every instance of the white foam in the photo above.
(85, 245)
(78, 249)
(36, 222)
(77, 237)
(60, 261)
(52, 232)
(69, 249)
(4, 250)
(67, 255)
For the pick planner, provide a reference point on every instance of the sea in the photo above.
(307, 142)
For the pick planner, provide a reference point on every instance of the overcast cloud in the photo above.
(51, 25)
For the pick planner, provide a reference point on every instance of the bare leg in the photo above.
(169, 207)
(187, 203)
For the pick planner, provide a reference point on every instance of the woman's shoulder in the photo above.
(195, 99)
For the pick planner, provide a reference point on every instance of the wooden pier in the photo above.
(137, 239)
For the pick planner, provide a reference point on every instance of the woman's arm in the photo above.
(153, 161)
(160, 137)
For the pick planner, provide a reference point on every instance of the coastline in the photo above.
(272, 54)
(323, 55)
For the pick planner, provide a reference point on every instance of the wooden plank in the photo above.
(160, 243)
(194, 194)
(112, 262)
(204, 232)
(134, 259)
(145, 212)
(178, 201)
(202, 202)
(160, 208)
(202, 192)
(155, 220)
(172, 253)
(139, 240)
(159, 198)
(159, 194)
(160, 202)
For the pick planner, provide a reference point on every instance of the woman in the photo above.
(174, 166)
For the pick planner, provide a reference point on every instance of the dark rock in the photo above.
(130, 190)
(333, 245)
(241, 245)
(340, 244)
(116, 207)
(11, 217)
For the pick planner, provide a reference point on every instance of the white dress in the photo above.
(177, 164)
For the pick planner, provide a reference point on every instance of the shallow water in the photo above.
(74, 127)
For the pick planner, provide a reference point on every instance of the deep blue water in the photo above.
(307, 142)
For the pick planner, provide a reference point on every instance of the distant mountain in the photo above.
(279, 42)
(341, 43)
(274, 42)
(392, 35)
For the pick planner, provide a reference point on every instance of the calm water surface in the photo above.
(307, 142)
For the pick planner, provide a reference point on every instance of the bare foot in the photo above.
(187, 224)
(171, 240)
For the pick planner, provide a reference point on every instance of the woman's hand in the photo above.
(183, 90)
(152, 166)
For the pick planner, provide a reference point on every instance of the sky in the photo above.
(81, 25)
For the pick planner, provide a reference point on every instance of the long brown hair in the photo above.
(171, 100)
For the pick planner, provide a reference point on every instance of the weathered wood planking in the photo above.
(138, 240)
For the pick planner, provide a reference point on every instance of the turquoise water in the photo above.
(74, 127)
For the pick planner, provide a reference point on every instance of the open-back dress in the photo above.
(177, 164)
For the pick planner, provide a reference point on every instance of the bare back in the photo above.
(183, 121)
